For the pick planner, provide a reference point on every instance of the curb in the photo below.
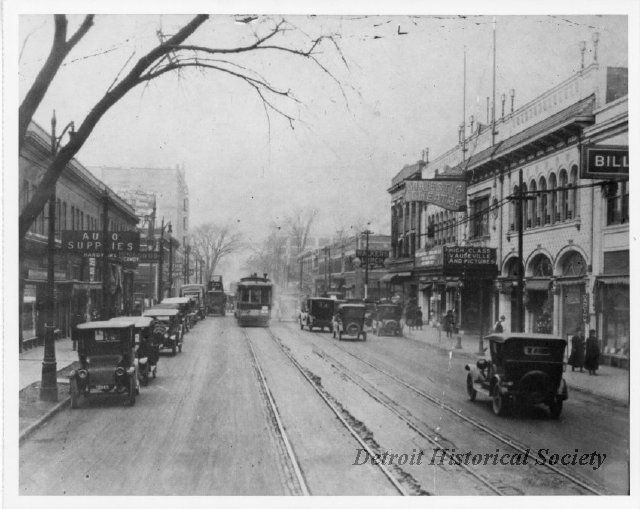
(36, 425)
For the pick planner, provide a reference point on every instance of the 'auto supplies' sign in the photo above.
(469, 259)
(92, 244)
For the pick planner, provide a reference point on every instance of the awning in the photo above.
(395, 276)
(613, 280)
(540, 285)
(452, 284)
(425, 286)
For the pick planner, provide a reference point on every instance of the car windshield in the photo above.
(107, 336)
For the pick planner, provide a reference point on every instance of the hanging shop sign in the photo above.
(470, 260)
(604, 161)
(148, 256)
(374, 258)
(446, 193)
(91, 242)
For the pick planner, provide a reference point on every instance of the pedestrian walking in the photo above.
(449, 323)
(498, 327)
(592, 355)
(419, 318)
(576, 359)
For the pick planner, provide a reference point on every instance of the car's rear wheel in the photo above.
(364, 336)
(498, 402)
(555, 407)
(353, 330)
(340, 336)
(173, 348)
(470, 389)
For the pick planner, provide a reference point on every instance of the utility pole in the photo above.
(161, 261)
(367, 232)
(520, 290)
(106, 279)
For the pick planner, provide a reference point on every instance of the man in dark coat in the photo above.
(592, 356)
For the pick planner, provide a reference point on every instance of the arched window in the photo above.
(541, 266)
(533, 205)
(542, 202)
(573, 196)
(573, 264)
(563, 196)
(554, 198)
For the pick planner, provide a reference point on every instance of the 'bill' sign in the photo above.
(91, 243)
(448, 194)
(605, 161)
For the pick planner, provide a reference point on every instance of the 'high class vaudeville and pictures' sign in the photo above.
(90, 243)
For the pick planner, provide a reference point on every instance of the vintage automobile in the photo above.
(147, 348)
(523, 368)
(186, 308)
(387, 319)
(167, 329)
(317, 312)
(198, 292)
(106, 351)
(349, 320)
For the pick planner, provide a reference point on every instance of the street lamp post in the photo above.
(170, 231)
(49, 381)
(161, 260)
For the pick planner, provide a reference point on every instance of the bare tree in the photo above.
(171, 55)
(213, 243)
(60, 48)
(297, 225)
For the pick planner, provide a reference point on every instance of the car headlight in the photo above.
(82, 373)
(119, 371)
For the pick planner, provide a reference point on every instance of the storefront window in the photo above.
(618, 205)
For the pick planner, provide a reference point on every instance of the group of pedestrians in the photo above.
(585, 354)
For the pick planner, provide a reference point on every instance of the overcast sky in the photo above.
(401, 92)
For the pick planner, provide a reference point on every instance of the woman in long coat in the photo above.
(592, 356)
(576, 359)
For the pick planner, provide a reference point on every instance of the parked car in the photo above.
(147, 347)
(349, 320)
(106, 351)
(167, 329)
(523, 368)
(387, 319)
(186, 308)
(199, 293)
(318, 313)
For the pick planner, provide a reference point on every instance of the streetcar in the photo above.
(254, 299)
(216, 298)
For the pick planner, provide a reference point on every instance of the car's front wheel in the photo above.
(555, 407)
(498, 402)
(470, 389)
(131, 396)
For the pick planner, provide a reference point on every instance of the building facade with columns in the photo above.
(575, 225)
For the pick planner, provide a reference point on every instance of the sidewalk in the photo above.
(611, 383)
(30, 365)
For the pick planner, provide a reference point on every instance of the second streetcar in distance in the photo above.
(254, 300)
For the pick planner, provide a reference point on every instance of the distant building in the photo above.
(168, 188)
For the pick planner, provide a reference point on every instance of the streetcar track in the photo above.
(339, 411)
(302, 484)
(586, 485)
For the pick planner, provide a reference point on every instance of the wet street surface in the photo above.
(280, 411)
